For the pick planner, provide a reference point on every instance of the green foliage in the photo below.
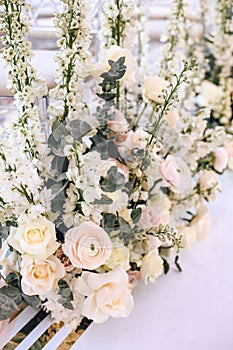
(110, 78)
(136, 215)
(66, 295)
(114, 180)
(10, 299)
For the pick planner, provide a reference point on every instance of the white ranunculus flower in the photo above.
(108, 294)
(209, 184)
(153, 88)
(37, 238)
(120, 256)
(152, 266)
(176, 174)
(88, 246)
(220, 159)
(40, 276)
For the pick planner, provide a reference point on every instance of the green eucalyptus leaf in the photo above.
(136, 215)
(33, 301)
(79, 129)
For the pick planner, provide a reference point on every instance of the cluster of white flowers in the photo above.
(73, 31)
(117, 24)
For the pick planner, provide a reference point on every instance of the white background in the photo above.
(192, 310)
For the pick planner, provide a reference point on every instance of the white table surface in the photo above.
(192, 310)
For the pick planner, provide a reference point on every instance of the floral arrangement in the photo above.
(114, 184)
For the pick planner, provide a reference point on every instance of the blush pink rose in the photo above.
(88, 246)
(176, 174)
(220, 159)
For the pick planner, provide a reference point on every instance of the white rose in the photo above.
(152, 266)
(88, 246)
(220, 159)
(40, 276)
(119, 256)
(153, 88)
(209, 184)
(176, 174)
(108, 294)
(36, 238)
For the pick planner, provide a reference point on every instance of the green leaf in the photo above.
(58, 202)
(10, 298)
(59, 130)
(8, 306)
(114, 180)
(79, 129)
(66, 295)
(33, 301)
(136, 215)
(103, 200)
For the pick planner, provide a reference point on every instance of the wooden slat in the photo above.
(18, 323)
(35, 334)
(58, 338)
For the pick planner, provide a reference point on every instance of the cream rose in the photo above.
(202, 222)
(119, 256)
(153, 88)
(152, 266)
(210, 94)
(108, 294)
(176, 174)
(36, 238)
(188, 235)
(88, 246)
(153, 216)
(220, 159)
(40, 276)
(209, 184)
